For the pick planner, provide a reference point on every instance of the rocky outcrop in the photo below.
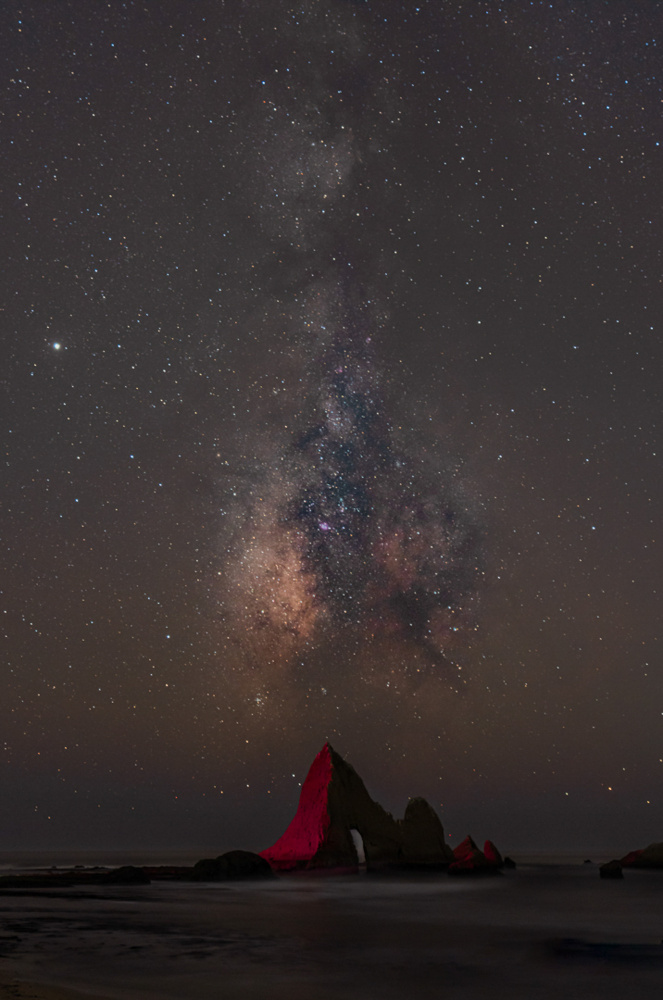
(232, 865)
(611, 869)
(492, 855)
(649, 857)
(334, 802)
(468, 859)
(646, 857)
(422, 836)
(630, 859)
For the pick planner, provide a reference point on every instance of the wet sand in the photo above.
(347, 937)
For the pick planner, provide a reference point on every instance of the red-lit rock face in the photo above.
(306, 835)
(468, 858)
(492, 855)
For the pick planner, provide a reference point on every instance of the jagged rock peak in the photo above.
(334, 802)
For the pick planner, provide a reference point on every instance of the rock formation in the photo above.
(611, 869)
(333, 802)
(230, 866)
(649, 857)
(646, 857)
(492, 855)
(423, 836)
(469, 859)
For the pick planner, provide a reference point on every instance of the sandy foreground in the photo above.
(537, 933)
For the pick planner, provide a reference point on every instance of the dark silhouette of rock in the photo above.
(649, 857)
(232, 865)
(126, 875)
(611, 869)
(334, 802)
(422, 836)
(509, 863)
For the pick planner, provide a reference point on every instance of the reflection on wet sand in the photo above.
(347, 937)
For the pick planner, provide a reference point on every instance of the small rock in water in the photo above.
(231, 865)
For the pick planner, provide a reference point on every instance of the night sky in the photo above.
(331, 392)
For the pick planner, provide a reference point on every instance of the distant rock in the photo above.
(126, 875)
(232, 865)
(334, 802)
(650, 857)
(468, 859)
(492, 855)
(611, 869)
(630, 859)
(467, 850)
(509, 863)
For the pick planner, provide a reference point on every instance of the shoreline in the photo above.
(543, 931)
(15, 988)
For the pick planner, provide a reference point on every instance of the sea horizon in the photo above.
(39, 858)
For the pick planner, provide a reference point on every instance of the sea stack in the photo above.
(333, 803)
(469, 859)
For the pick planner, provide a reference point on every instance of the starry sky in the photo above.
(331, 394)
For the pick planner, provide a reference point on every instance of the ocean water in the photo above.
(347, 937)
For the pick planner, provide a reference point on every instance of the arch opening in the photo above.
(358, 841)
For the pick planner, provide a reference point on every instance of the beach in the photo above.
(543, 930)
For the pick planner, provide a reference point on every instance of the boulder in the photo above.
(334, 802)
(232, 865)
(611, 869)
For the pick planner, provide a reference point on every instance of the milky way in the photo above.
(353, 527)
(332, 375)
